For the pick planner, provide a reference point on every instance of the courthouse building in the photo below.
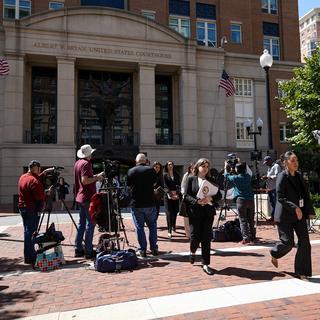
(129, 76)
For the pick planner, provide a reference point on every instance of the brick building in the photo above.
(139, 75)
(309, 26)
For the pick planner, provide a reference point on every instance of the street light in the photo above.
(266, 62)
(259, 124)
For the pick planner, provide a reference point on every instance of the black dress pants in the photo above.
(201, 232)
(172, 209)
(302, 264)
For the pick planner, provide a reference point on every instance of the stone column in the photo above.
(14, 95)
(188, 107)
(66, 100)
(147, 104)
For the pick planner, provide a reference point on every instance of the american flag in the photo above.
(4, 67)
(227, 84)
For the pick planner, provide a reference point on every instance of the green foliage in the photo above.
(301, 101)
(316, 200)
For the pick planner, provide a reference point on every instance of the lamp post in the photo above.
(259, 124)
(266, 62)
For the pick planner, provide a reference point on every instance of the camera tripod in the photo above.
(48, 208)
(113, 208)
(258, 198)
(225, 207)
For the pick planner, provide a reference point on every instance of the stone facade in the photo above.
(107, 39)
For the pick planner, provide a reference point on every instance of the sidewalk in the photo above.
(157, 281)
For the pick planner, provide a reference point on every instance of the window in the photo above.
(312, 47)
(236, 33)
(180, 25)
(241, 131)
(273, 46)
(179, 7)
(243, 87)
(56, 5)
(206, 11)
(280, 92)
(16, 9)
(118, 4)
(149, 14)
(269, 6)
(164, 118)
(43, 106)
(206, 34)
(285, 131)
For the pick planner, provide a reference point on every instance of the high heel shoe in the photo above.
(192, 258)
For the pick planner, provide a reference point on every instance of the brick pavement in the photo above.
(76, 286)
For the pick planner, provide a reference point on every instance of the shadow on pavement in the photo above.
(12, 298)
(236, 253)
(250, 274)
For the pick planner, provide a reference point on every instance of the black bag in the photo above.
(183, 208)
(219, 234)
(116, 261)
(230, 231)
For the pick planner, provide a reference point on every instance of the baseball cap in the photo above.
(266, 158)
(33, 163)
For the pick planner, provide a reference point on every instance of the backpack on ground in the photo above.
(116, 261)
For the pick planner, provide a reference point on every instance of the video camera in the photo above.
(52, 178)
(111, 168)
(232, 160)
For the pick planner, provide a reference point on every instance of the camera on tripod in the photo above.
(111, 168)
(232, 161)
(52, 178)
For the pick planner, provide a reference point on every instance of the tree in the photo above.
(301, 102)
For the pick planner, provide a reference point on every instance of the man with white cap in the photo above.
(141, 180)
(273, 170)
(85, 188)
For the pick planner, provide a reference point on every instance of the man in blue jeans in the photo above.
(85, 188)
(141, 180)
(31, 201)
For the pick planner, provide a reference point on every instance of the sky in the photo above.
(306, 5)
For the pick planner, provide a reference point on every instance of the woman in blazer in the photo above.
(171, 200)
(201, 214)
(293, 208)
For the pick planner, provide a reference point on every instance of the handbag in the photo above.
(48, 261)
(183, 208)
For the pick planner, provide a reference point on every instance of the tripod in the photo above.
(258, 197)
(48, 208)
(113, 209)
(225, 207)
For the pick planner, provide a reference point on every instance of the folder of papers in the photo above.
(207, 189)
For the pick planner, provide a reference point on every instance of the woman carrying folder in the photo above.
(201, 213)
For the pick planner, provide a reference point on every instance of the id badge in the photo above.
(301, 203)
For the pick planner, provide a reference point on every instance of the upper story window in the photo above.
(206, 11)
(55, 5)
(269, 6)
(271, 40)
(16, 9)
(285, 131)
(181, 25)
(149, 14)
(118, 4)
(312, 46)
(236, 33)
(243, 87)
(179, 7)
(206, 33)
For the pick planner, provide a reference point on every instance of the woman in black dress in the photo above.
(293, 208)
(62, 189)
(171, 199)
(201, 214)
(159, 185)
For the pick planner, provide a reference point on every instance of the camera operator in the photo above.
(245, 200)
(273, 170)
(84, 189)
(31, 201)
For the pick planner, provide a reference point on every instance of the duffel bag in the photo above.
(116, 261)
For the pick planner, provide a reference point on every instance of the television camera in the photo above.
(111, 168)
(52, 178)
(232, 161)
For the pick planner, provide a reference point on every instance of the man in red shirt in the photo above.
(85, 188)
(31, 200)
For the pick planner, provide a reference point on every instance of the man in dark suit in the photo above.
(293, 208)
(141, 180)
